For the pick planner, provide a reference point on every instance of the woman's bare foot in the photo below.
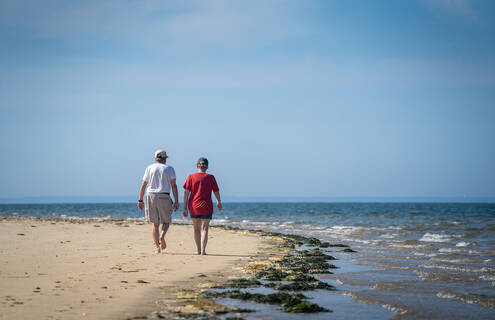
(157, 250)
(203, 253)
(163, 244)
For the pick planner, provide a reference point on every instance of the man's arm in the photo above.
(141, 195)
(175, 193)
(186, 201)
(219, 202)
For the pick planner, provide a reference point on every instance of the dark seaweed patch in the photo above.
(241, 283)
(290, 302)
(305, 286)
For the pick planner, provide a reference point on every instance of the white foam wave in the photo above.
(389, 235)
(446, 295)
(425, 254)
(345, 229)
(395, 309)
(449, 250)
(467, 298)
(408, 246)
(459, 268)
(454, 260)
(422, 274)
(487, 277)
(221, 220)
(454, 250)
(465, 244)
(433, 237)
(395, 228)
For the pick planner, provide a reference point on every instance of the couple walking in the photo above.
(158, 180)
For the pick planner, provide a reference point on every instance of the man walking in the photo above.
(159, 178)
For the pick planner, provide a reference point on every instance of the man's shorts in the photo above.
(158, 208)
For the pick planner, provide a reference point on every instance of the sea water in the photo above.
(413, 260)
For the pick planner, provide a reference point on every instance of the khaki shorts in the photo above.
(158, 208)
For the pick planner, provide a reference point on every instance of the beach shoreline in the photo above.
(106, 269)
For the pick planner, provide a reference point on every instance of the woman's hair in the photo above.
(202, 163)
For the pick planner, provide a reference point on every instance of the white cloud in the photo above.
(161, 24)
(459, 8)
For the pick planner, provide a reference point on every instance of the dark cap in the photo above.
(202, 162)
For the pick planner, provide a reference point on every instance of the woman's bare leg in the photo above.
(197, 233)
(205, 223)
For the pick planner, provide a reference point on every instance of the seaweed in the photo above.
(314, 253)
(305, 265)
(325, 245)
(290, 302)
(305, 286)
(300, 277)
(313, 241)
(305, 307)
(339, 245)
(282, 298)
(272, 274)
(240, 283)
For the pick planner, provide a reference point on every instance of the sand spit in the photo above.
(106, 269)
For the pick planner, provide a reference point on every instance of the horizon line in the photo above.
(259, 199)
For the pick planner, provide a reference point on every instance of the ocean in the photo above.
(413, 260)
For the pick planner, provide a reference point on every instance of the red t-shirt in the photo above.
(201, 185)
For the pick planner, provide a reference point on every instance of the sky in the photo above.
(285, 98)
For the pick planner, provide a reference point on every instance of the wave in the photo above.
(459, 268)
(398, 310)
(464, 251)
(434, 237)
(465, 244)
(484, 300)
(487, 277)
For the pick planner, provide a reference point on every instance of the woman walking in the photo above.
(197, 198)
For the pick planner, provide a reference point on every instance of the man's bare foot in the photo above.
(163, 244)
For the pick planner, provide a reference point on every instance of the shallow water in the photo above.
(419, 260)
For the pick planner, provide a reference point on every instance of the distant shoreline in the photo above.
(227, 199)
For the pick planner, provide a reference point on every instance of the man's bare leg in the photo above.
(197, 233)
(156, 235)
(205, 223)
(162, 238)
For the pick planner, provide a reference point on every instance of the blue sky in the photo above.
(286, 98)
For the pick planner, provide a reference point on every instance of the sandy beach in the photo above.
(56, 269)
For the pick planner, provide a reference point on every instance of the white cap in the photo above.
(160, 154)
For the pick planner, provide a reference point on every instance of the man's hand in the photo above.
(184, 213)
(219, 206)
(140, 205)
(176, 206)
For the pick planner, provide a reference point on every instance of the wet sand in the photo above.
(56, 269)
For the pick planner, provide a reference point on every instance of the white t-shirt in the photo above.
(158, 176)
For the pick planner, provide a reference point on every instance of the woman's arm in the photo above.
(219, 202)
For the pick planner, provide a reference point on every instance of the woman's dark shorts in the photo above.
(202, 216)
